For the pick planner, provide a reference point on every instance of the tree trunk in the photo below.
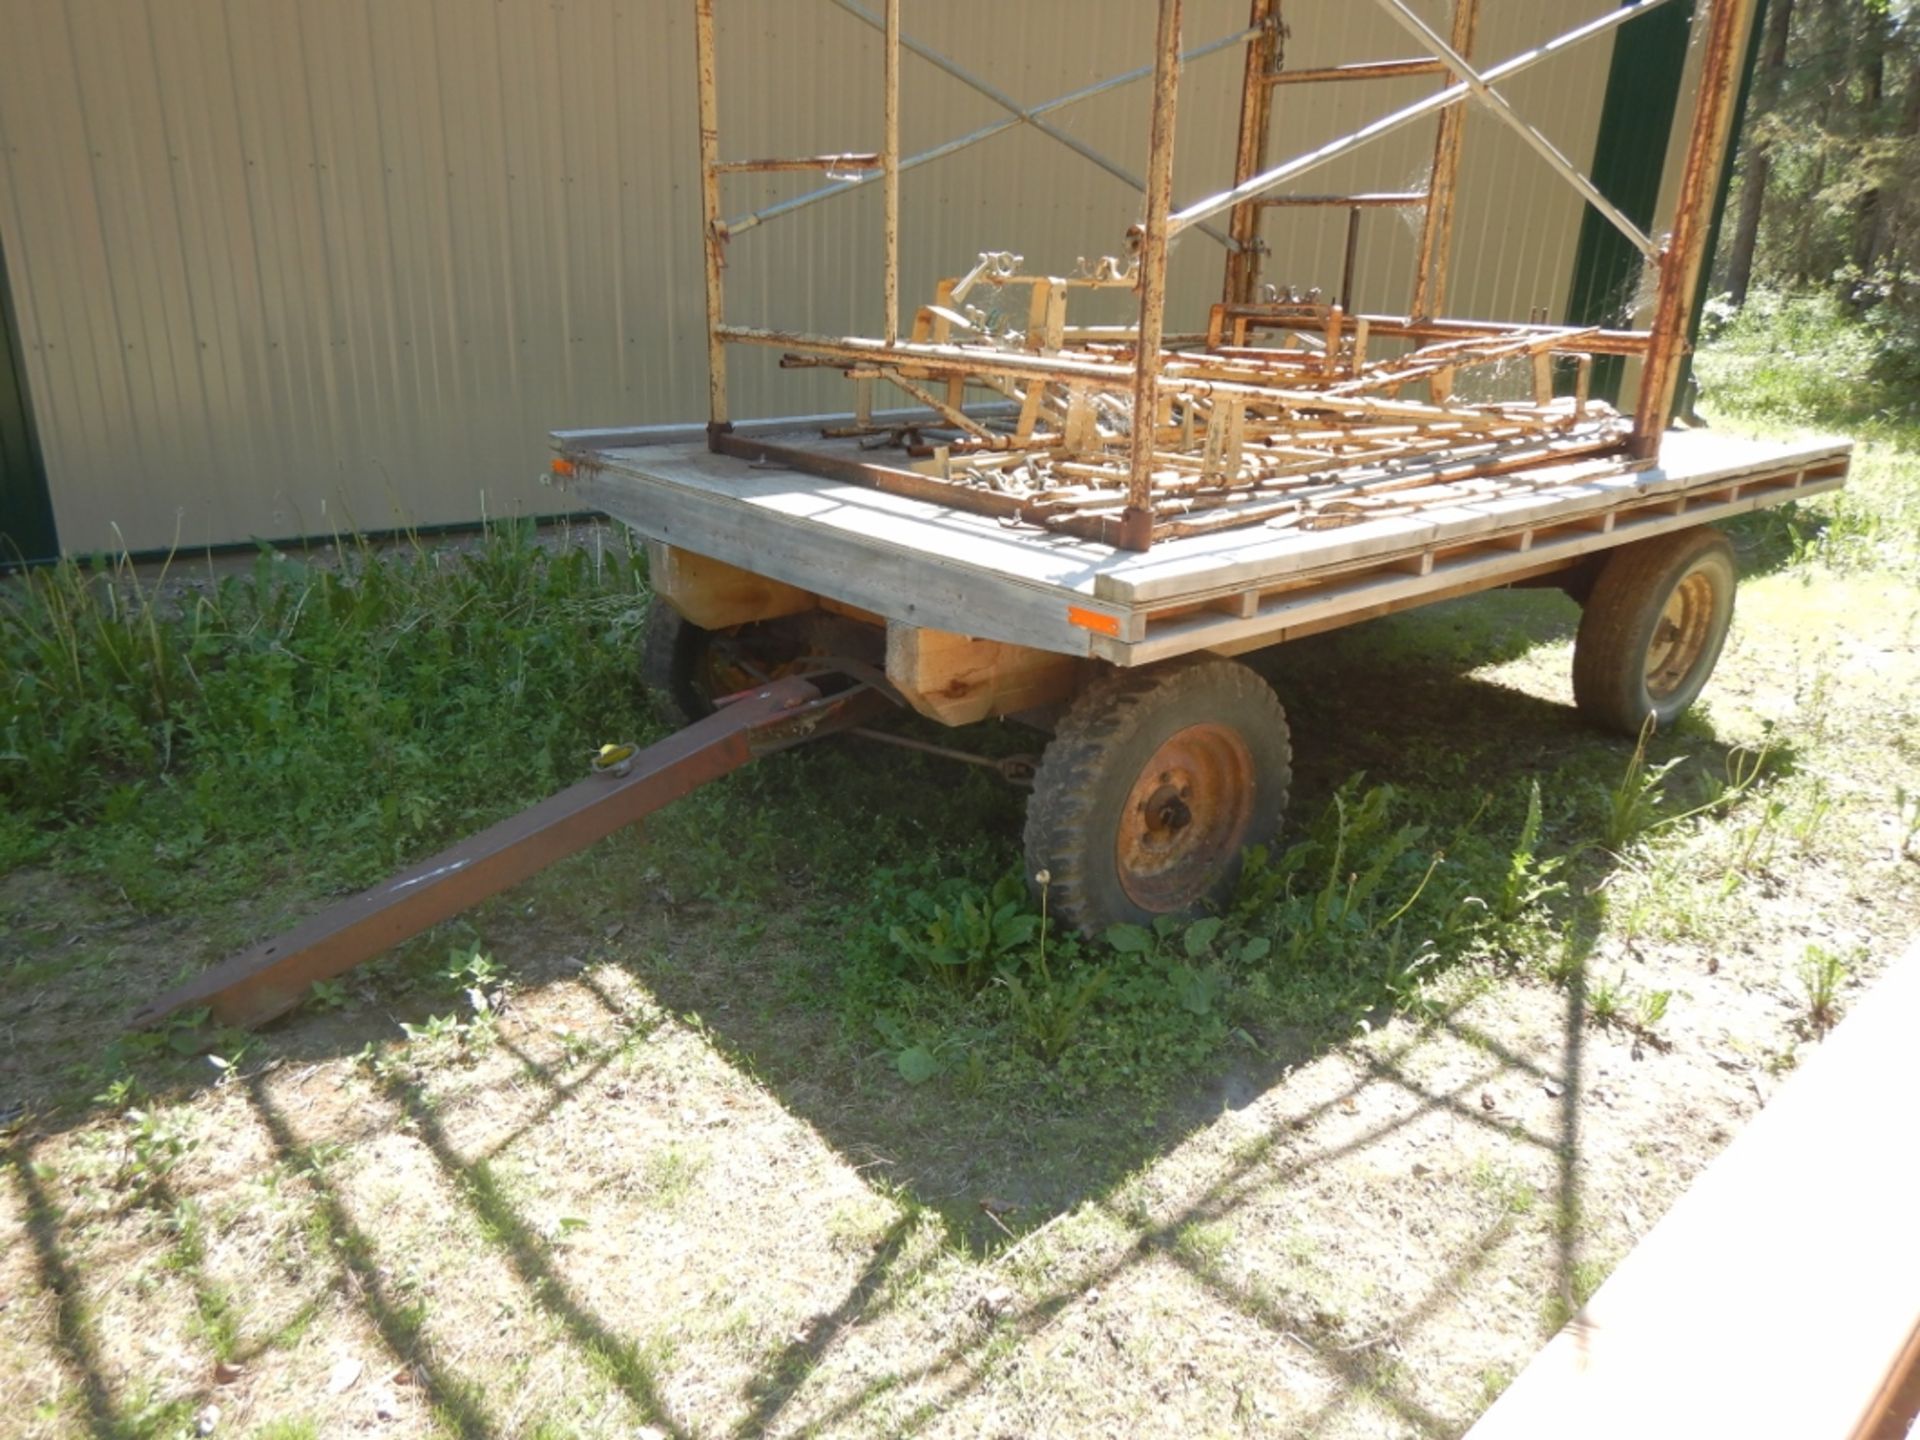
(1867, 228)
(1803, 239)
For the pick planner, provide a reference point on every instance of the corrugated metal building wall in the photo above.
(282, 267)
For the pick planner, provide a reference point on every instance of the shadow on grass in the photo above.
(72, 1328)
(1359, 1373)
(782, 1374)
(1392, 699)
(456, 1399)
(527, 1253)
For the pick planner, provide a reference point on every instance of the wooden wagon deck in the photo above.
(910, 560)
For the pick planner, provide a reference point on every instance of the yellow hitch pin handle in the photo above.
(614, 759)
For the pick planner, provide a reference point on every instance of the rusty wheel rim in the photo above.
(1184, 817)
(1680, 635)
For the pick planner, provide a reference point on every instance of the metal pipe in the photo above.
(1383, 200)
(1007, 102)
(947, 361)
(713, 233)
(890, 167)
(1597, 342)
(1019, 117)
(1242, 280)
(1214, 205)
(1503, 111)
(1136, 521)
(1685, 255)
(1353, 257)
(1433, 261)
(862, 161)
(1365, 70)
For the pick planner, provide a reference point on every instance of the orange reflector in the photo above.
(561, 466)
(1093, 620)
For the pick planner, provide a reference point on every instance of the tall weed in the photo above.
(350, 712)
(950, 972)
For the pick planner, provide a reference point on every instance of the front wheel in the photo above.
(685, 668)
(682, 666)
(1653, 629)
(1153, 784)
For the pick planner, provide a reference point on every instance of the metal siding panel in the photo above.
(284, 266)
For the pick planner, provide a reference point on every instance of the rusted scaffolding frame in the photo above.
(1326, 425)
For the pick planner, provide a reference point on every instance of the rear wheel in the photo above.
(1653, 628)
(1152, 785)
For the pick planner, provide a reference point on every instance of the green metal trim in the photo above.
(26, 505)
(1686, 390)
(1630, 160)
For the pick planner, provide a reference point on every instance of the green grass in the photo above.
(198, 738)
(1788, 363)
(1382, 892)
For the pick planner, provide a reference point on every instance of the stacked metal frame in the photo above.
(1285, 409)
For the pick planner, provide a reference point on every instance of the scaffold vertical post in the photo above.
(1684, 256)
(890, 165)
(714, 228)
(1250, 156)
(1433, 261)
(1136, 524)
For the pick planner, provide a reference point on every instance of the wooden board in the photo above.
(957, 680)
(1689, 459)
(715, 595)
(1781, 1294)
(916, 561)
(901, 558)
(1469, 560)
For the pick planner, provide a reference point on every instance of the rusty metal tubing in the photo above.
(861, 160)
(713, 229)
(274, 976)
(890, 166)
(1363, 70)
(1017, 116)
(1375, 200)
(1433, 260)
(1454, 94)
(1684, 257)
(1242, 274)
(1502, 109)
(1136, 522)
(1352, 260)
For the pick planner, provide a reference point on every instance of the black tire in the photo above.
(1110, 822)
(1653, 629)
(683, 666)
(672, 660)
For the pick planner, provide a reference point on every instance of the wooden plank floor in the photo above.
(1781, 1295)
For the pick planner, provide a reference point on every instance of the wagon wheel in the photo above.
(684, 667)
(1153, 784)
(1653, 628)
